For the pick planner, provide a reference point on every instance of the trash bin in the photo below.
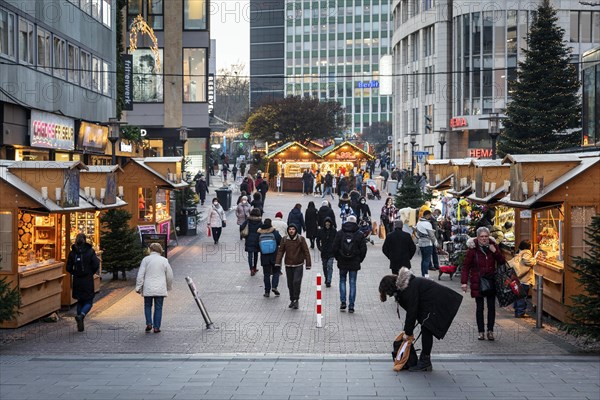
(392, 187)
(187, 221)
(224, 197)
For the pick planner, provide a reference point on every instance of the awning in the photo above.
(166, 182)
(444, 183)
(492, 197)
(462, 192)
(98, 205)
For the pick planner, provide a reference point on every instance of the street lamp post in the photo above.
(442, 141)
(114, 133)
(493, 129)
(413, 142)
(183, 136)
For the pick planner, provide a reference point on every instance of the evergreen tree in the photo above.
(545, 102)
(9, 300)
(585, 313)
(410, 194)
(120, 244)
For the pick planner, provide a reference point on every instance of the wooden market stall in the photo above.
(555, 197)
(292, 159)
(37, 201)
(345, 155)
(464, 174)
(440, 174)
(147, 185)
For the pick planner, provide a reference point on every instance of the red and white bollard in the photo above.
(319, 316)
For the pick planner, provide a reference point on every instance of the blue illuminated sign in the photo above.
(368, 85)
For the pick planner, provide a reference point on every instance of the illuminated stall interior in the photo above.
(344, 154)
(292, 159)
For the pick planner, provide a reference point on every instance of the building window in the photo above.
(96, 10)
(194, 14)
(26, 41)
(96, 81)
(105, 78)
(151, 10)
(85, 64)
(147, 83)
(72, 63)
(107, 13)
(194, 75)
(43, 49)
(60, 56)
(7, 33)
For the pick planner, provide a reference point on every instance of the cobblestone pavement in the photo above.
(159, 377)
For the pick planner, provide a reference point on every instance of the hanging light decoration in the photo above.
(139, 25)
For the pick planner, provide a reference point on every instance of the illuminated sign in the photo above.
(211, 94)
(52, 131)
(92, 137)
(367, 85)
(125, 148)
(480, 153)
(458, 122)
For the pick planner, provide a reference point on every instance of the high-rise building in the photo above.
(453, 61)
(591, 97)
(330, 51)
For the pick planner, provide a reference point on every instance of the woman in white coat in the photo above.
(154, 280)
(216, 220)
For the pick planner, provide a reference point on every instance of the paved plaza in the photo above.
(263, 349)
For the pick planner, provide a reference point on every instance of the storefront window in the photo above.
(194, 75)
(194, 14)
(31, 155)
(549, 240)
(84, 222)
(37, 240)
(6, 244)
(162, 205)
(145, 204)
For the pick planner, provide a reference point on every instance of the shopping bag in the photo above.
(505, 276)
(374, 227)
(208, 231)
(382, 233)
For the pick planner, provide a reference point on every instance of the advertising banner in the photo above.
(92, 137)
(52, 131)
(128, 81)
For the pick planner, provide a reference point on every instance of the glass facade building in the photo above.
(591, 97)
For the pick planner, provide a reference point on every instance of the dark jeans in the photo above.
(434, 256)
(216, 232)
(294, 281)
(389, 226)
(271, 277)
(426, 341)
(158, 306)
(328, 269)
(426, 254)
(84, 306)
(328, 190)
(252, 259)
(491, 315)
(520, 305)
(352, 277)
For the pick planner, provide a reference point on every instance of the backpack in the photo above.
(348, 246)
(267, 243)
(78, 263)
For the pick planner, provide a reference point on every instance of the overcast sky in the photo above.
(229, 25)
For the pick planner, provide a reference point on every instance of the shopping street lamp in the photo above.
(413, 142)
(114, 133)
(183, 137)
(493, 119)
(442, 141)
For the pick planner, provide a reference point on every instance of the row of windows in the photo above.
(100, 10)
(30, 44)
(348, 27)
(409, 8)
(332, 45)
(266, 35)
(356, 61)
(585, 26)
(194, 13)
(295, 12)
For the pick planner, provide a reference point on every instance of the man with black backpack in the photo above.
(349, 249)
(268, 242)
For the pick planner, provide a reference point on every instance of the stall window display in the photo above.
(335, 166)
(84, 222)
(37, 243)
(162, 205)
(295, 169)
(6, 237)
(549, 236)
(145, 204)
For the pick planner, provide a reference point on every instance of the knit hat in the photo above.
(325, 203)
(279, 214)
(351, 218)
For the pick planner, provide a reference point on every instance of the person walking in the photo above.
(82, 264)
(427, 242)
(216, 220)
(242, 212)
(201, 189)
(524, 263)
(310, 220)
(225, 170)
(363, 212)
(328, 183)
(269, 240)
(243, 168)
(251, 246)
(318, 183)
(343, 185)
(234, 172)
(279, 224)
(295, 217)
(325, 211)
(385, 174)
(388, 215)
(295, 254)
(325, 238)
(427, 302)
(399, 248)
(263, 188)
(481, 260)
(154, 280)
(349, 249)
(257, 202)
(245, 186)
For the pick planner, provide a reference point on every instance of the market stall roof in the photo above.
(444, 183)
(585, 164)
(142, 162)
(331, 148)
(103, 168)
(487, 163)
(537, 158)
(490, 198)
(461, 161)
(438, 162)
(286, 146)
(47, 165)
(97, 203)
(48, 204)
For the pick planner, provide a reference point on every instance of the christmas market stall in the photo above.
(38, 199)
(555, 197)
(464, 172)
(147, 189)
(440, 174)
(344, 156)
(291, 160)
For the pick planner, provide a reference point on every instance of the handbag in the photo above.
(223, 224)
(382, 233)
(374, 227)
(245, 231)
(486, 283)
(208, 231)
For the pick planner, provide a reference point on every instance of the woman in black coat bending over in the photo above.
(434, 306)
(310, 220)
(82, 264)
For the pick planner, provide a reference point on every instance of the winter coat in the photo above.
(354, 201)
(155, 276)
(328, 180)
(360, 247)
(524, 268)
(310, 220)
(216, 216)
(201, 188)
(325, 238)
(388, 214)
(479, 262)
(296, 252)
(363, 211)
(83, 272)
(242, 212)
(425, 233)
(325, 212)
(252, 239)
(434, 306)
(269, 259)
(250, 186)
(280, 225)
(343, 185)
(295, 217)
(245, 187)
(257, 203)
(399, 248)
(263, 188)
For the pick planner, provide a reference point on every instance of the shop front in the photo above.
(555, 198)
(38, 199)
(345, 156)
(440, 174)
(148, 185)
(289, 161)
(464, 172)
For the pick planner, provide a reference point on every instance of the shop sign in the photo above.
(149, 238)
(525, 214)
(480, 153)
(52, 131)
(127, 81)
(125, 147)
(367, 85)
(92, 137)
(211, 94)
(345, 155)
(457, 122)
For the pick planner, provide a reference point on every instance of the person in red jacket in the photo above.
(481, 260)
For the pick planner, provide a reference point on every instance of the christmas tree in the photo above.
(120, 244)
(585, 313)
(9, 300)
(410, 194)
(545, 105)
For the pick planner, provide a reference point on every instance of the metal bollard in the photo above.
(540, 301)
(192, 286)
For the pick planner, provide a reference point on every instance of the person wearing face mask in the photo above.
(481, 260)
(242, 212)
(216, 217)
(363, 212)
